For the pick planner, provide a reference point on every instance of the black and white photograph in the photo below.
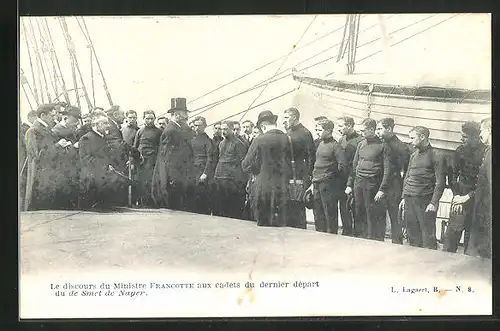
(255, 165)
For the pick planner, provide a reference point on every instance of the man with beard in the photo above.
(42, 147)
(269, 160)
(68, 160)
(466, 163)
(327, 176)
(480, 233)
(400, 156)
(204, 165)
(349, 142)
(173, 178)
(247, 126)
(423, 187)
(371, 169)
(303, 149)
(229, 177)
(146, 141)
(130, 129)
(99, 179)
(161, 122)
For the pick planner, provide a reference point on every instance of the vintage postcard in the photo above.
(235, 166)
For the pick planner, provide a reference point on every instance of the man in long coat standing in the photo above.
(304, 154)
(269, 159)
(481, 235)
(173, 178)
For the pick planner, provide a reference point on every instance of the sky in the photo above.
(146, 61)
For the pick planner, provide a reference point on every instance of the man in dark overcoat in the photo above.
(304, 154)
(400, 156)
(23, 161)
(480, 242)
(269, 160)
(465, 165)
(100, 180)
(43, 147)
(173, 178)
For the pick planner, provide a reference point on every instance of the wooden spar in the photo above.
(54, 53)
(98, 63)
(71, 49)
(43, 48)
(92, 74)
(37, 100)
(40, 62)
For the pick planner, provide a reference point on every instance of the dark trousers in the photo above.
(421, 226)
(456, 226)
(230, 198)
(345, 213)
(296, 217)
(480, 237)
(178, 196)
(201, 200)
(370, 215)
(326, 198)
(143, 182)
(393, 198)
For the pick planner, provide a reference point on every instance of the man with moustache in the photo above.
(327, 174)
(42, 147)
(99, 179)
(68, 160)
(229, 178)
(269, 160)
(400, 156)
(423, 187)
(368, 183)
(147, 140)
(303, 148)
(466, 163)
(247, 136)
(130, 129)
(173, 178)
(161, 122)
(204, 165)
(480, 233)
(349, 142)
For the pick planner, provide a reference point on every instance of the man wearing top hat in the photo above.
(269, 159)
(173, 177)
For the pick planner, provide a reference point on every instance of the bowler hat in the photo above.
(177, 104)
(265, 116)
(309, 199)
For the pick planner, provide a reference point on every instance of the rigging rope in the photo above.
(44, 47)
(37, 61)
(31, 63)
(281, 65)
(262, 83)
(40, 60)
(265, 65)
(73, 72)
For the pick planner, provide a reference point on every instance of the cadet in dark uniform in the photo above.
(204, 166)
(269, 160)
(480, 233)
(422, 189)
(371, 168)
(147, 140)
(304, 154)
(229, 177)
(327, 177)
(349, 142)
(318, 138)
(130, 130)
(466, 162)
(400, 156)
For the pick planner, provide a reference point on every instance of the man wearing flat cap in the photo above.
(269, 160)
(173, 177)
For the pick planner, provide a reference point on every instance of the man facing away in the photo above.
(229, 178)
(327, 177)
(349, 142)
(466, 163)
(146, 141)
(423, 187)
(368, 180)
(269, 160)
(173, 179)
(204, 166)
(480, 234)
(303, 150)
(400, 156)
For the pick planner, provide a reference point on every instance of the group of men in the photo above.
(263, 174)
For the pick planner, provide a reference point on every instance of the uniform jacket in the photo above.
(304, 152)
(204, 155)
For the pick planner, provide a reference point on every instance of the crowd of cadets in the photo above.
(244, 171)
